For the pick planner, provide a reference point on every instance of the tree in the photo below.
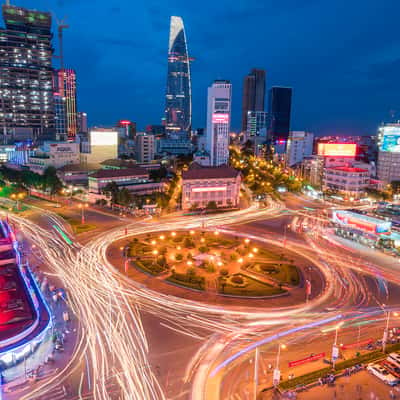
(112, 189)
(158, 174)
(51, 181)
(211, 205)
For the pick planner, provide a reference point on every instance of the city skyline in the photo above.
(305, 63)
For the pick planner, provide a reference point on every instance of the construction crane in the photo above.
(61, 25)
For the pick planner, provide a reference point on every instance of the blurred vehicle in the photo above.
(383, 374)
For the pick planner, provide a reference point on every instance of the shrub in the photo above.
(210, 268)
(234, 256)
(189, 256)
(163, 250)
(179, 257)
(237, 279)
(203, 249)
(188, 242)
(224, 272)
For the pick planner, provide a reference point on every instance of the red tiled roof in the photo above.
(196, 171)
(119, 173)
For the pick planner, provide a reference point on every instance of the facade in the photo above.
(253, 94)
(178, 106)
(82, 123)
(202, 158)
(257, 122)
(348, 180)
(219, 121)
(312, 169)
(389, 152)
(102, 145)
(202, 185)
(174, 147)
(60, 116)
(145, 147)
(299, 146)
(54, 154)
(65, 85)
(279, 109)
(26, 84)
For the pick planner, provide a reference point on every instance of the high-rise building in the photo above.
(65, 84)
(178, 106)
(256, 122)
(145, 147)
(26, 90)
(219, 121)
(60, 116)
(389, 152)
(279, 109)
(253, 94)
(82, 124)
(300, 146)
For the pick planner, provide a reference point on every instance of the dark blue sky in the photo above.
(341, 57)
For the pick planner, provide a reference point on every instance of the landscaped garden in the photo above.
(211, 261)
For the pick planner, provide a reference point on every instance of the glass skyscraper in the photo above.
(178, 107)
(26, 90)
(279, 110)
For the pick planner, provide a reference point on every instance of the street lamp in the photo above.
(82, 207)
(335, 348)
(386, 331)
(277, 372)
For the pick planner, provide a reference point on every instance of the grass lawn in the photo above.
(76, 224)
(190, 285)
(253, 288)
(285, 273)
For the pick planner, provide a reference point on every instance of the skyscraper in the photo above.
(219, 121)
(65, 84)
(178, 105)
(279, 109)
(26, 90)
(253, 94)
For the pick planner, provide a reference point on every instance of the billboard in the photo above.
(391, 143)
(367, 224)
(337, 149)
(103, 137)
(220, 119)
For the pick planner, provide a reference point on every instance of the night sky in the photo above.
(341, 57)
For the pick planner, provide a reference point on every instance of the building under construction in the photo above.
(26, 75)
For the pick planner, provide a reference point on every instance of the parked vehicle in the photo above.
(383, 374)
(392, 368)
(394, 358)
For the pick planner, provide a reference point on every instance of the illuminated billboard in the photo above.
(362, 222)
(391, 143)
(337, 149)
(220, 119)
(103, 137)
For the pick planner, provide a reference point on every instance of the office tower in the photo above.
(60, 116)
(145, 147)
(279, 109)
(26, 91)
(65, 84)
(102, 145)
(81, 119)
(178, 106)
(219, 121)
(257, 121)
(253, 94)
(389, 152)
(300, 146)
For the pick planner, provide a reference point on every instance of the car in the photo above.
(383, 374)
(393, 369)
(394, 358)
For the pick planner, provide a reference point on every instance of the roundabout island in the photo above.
(222, 267)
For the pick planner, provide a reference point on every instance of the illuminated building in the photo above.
(129, 127)
(350, 181)
(174, 146)
(65, 85)
(257, 121)
(26, 90)
(299, 146)
(82, 124)
(253, 94)
(389, 153)
(178, 107)
(219, 121)
(60, 116)
(102, 145)
(279, 109)
(145, 147)
(202, 185)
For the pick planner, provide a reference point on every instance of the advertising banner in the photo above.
(314, 357)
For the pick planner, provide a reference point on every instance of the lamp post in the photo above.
(82, 207)
(277, 372)
(335, 348)
(386, 330)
